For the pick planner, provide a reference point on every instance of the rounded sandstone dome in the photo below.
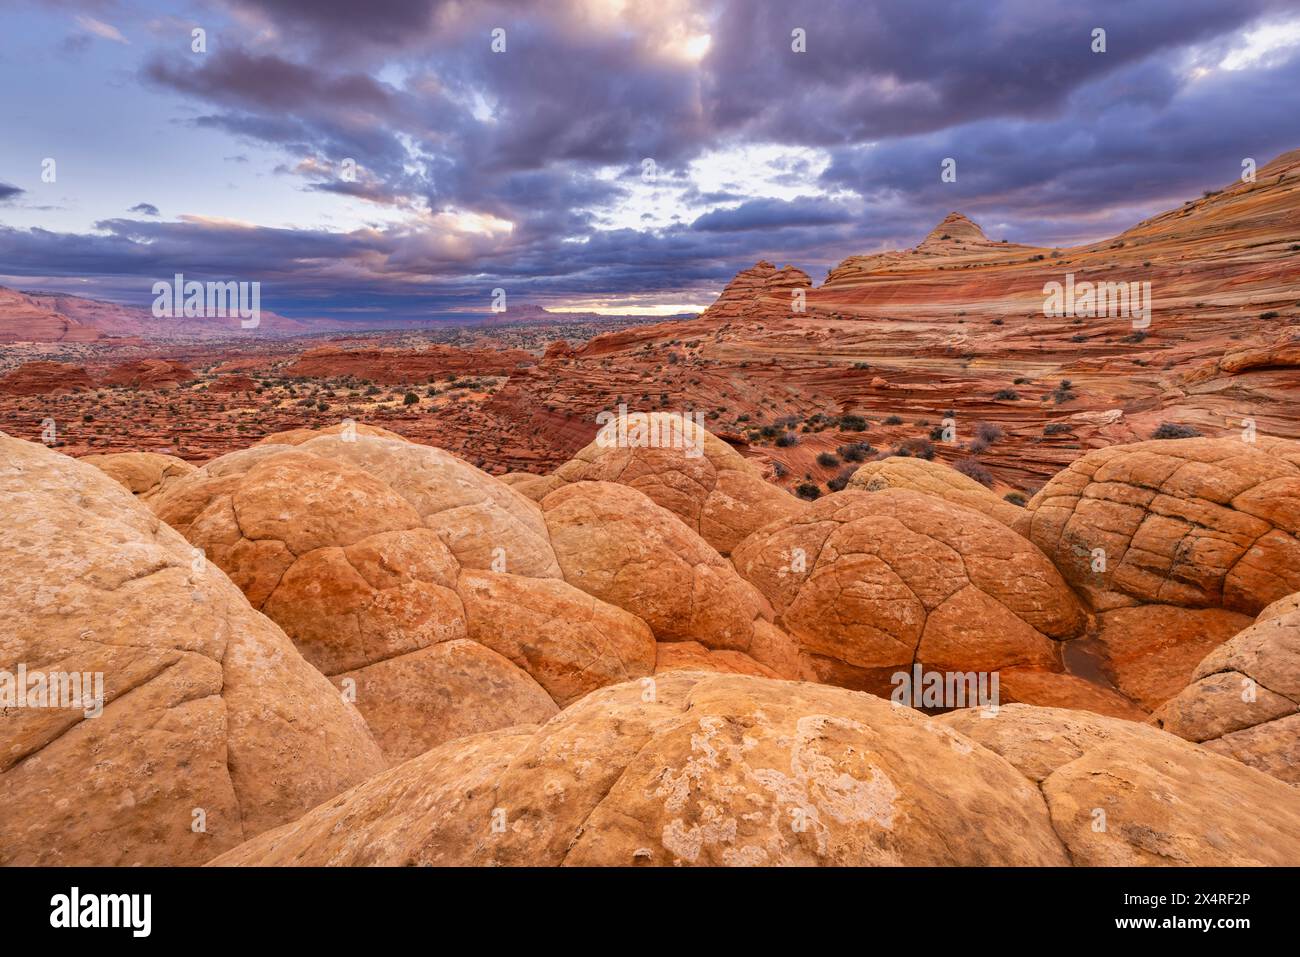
(615, 543)
(683, 467)
(209, 714)
(1244, 698)
(143, 474)
(937, 479)
(1202, 523)
(709, 769)
(870, 582)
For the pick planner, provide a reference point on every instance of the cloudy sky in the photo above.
(366, 158)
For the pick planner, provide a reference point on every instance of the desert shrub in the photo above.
(786, 440)
(1016, 498)
(1173, 430)
(973, 468)
(853, 423)
(855, 451)
(1006, 395)
(988, 433)
(410, 398)
(808, 490)
(894, 420)
(918, 448)
(1056, 428)
(828, 460)
(840, 481)
(780, 469)
(1268, 315)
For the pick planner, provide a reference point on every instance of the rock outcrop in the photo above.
(45, 378)
(680, 465)
(1244, 698)
(707, 769)
(870, 583)
(1200, 523)
(211, 727)
(937, 479)
(144, 474)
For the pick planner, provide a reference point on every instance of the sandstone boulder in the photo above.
(143, 474)
(683, 467)
(1244, 699)
(937, 479)
(870, 582)
(347, 567)
(710, 769)
(1126, 794)
(1201, 523)
(209, 714)
(613, 542)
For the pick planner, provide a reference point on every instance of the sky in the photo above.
(405, 158)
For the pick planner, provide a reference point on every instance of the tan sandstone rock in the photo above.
(934, 478)
(1244, 698)
(736, 770)
(209, 712)
(683, 467)
(1125, 794)
(615, 543)
(869, 582)
(715, 770)
(1201, 523)
(144, 474)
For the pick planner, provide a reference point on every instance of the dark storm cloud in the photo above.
(8, 192)
(147, 209)
(888, 69)
(1053, 142)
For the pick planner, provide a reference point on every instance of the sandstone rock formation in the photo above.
(45, 378)
(144, 474)
(870, 582)
(1126, 794)
(739, 770)
(394, 366)
(1200, 523)
(208, 712)
(1151, 651)
(421, 587)
(570, 642)
(363, 584)
(1244, 699)
(934, 478)
(680, 465)
(762, 291)
(613, 542)
(149, 374)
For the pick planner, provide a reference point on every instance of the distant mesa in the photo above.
(394, 366)
(46, 378)
(149, 374)
(233, 383)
